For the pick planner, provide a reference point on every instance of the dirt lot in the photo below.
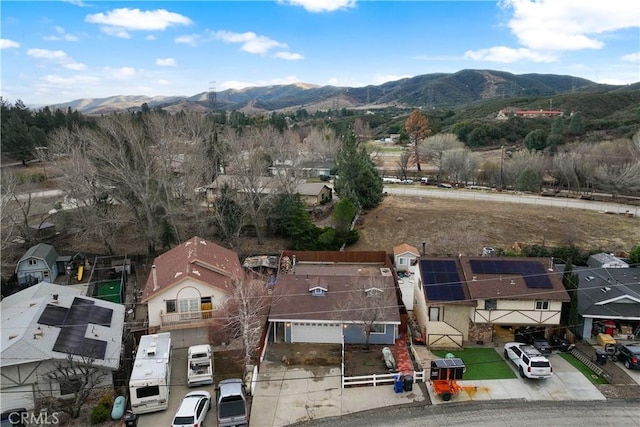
(358, 360)
(459, 226)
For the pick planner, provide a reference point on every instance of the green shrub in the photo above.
(99, 414)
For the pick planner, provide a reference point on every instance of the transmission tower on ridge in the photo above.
(211, 96)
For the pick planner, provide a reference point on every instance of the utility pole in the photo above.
(502, 167)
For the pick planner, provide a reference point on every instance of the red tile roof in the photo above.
(198, 259)
(403, 248)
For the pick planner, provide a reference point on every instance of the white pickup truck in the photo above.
(200, 365)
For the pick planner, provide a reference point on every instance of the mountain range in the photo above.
(438, 90)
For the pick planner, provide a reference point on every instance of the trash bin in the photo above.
(398, 384)
(130, 420)
(601, 357)
(408, 383)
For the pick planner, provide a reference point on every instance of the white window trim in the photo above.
(541, 304)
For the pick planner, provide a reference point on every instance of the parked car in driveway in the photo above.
(529, 361)
(629, 355)
(533, 336)
(232, 404)
(192, 410)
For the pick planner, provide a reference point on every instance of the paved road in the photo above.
(426, 191)
(495, 414)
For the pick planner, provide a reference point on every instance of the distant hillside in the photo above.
(440, 90)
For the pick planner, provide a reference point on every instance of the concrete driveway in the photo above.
(285, 395)
(567, 383)
(633, 373)
(178, 390)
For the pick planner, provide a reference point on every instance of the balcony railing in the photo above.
(186, 318)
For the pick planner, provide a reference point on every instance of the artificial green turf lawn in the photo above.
(481, 363)
(591, 376)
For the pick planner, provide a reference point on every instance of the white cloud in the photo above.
(569, 24)
(378, 79)
(507, 54)
(190, 40)
(161, 82)
(166, 62)
(150, 37)
(290, 56)
(632, 57)
(61, 34)
(545, 29)
(47, 54)
(121, 33)
(79, 3)
(121, 73)
(235, 84)
(118, 22)
(69, 81)
(56, 57)
(6, 44)
(251, 42)
(321, 5)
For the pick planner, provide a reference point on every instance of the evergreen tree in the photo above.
(570, 312)
(536, 140)
(528, 180)
(357, 177)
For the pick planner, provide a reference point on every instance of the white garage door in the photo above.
(316, 332)
(17, 397)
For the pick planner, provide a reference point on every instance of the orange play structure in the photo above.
(444, 373)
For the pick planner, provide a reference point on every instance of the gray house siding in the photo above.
(37, 264)
(353, 334)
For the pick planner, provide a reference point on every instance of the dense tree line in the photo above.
(23, 130)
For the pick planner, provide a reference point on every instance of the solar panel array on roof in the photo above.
(53, 315)
(533, 272)
(441, 280)
(73, 323)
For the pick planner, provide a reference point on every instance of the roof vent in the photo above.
(151, 351)
(605, 289)
(385, 271)
(512, 282)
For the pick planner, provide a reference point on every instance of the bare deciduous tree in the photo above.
(249, 162)
(362, 130)
(79, 375)
(434, 147)
(247, 309)
(460, 164)
(521, 160)
(367, 303)
(403, 162)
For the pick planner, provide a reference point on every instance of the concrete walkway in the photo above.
(287, 395)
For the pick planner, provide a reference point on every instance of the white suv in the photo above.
(193, 409)
(529, 361)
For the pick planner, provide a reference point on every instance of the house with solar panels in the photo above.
(478, 298)
(442, 305)
(512, 292)
(41, 326)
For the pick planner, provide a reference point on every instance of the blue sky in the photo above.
(58, 51)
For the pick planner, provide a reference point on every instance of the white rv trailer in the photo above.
(149, 385)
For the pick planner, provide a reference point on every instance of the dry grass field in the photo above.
(459, 226)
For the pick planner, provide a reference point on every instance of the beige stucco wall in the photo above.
(458, 317)
(186, 289)
(518, 312)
